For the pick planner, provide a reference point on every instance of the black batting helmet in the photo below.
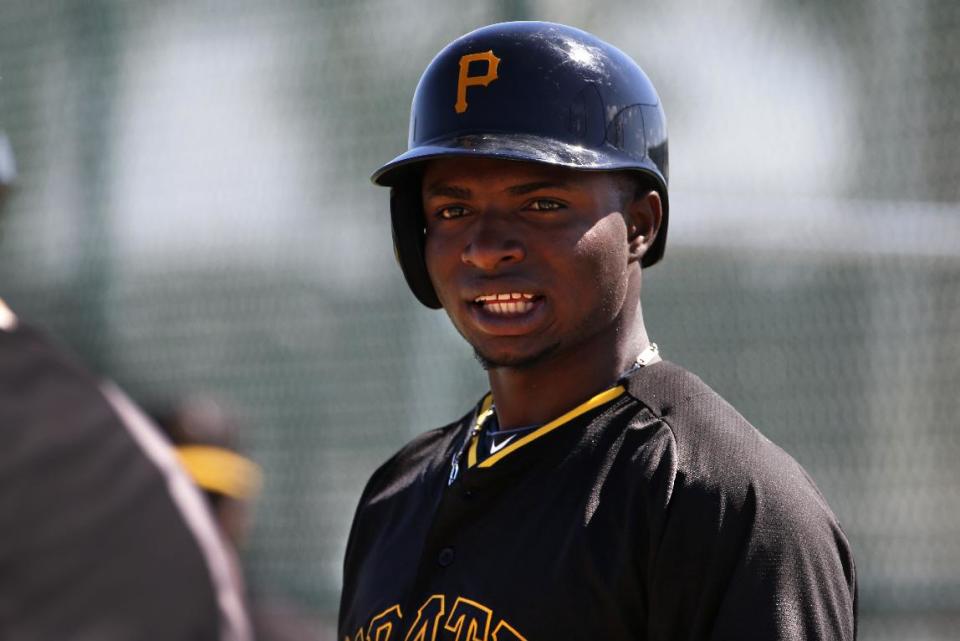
(529, 91)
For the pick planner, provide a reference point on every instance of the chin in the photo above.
(513, 361)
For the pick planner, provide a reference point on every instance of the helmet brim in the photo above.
(510, 147)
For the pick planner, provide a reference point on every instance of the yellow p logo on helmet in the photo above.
(466, 80)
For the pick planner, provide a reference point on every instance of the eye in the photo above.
(545, 204)
(451, 212)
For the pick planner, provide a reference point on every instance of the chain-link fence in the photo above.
(192, 213)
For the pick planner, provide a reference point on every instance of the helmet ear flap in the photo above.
(409, 238)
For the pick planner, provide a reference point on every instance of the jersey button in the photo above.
(445, 558)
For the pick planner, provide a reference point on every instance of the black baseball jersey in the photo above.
(103, 536)
(652, 512)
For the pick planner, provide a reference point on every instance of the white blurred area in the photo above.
(231, 137)
(204, 157)
(211, 155)
(227, 143)
(756, 105)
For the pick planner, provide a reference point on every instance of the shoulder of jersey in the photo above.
(717, 450)
(425, 455)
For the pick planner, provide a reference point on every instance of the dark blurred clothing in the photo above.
(104, 537)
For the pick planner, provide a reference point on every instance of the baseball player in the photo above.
(597, 491)
(205, 435)
(104, 537)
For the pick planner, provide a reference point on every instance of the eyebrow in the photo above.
(453, 191)
(450, 191)
(527, 188)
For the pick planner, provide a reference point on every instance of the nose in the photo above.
(491, 244)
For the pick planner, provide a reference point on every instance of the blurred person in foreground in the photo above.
(598, 491)
(206, 439)
(104, 537)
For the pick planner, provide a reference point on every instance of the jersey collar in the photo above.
(486, 410)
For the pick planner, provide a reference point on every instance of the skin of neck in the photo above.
(541, 392)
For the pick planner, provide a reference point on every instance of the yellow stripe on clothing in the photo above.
(219, 470)
(596, 401)
(486, 409)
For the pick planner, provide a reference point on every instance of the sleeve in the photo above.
(748, 549)
(793, 577)
(104, 536)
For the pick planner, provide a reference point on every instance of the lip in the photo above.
(508, 324)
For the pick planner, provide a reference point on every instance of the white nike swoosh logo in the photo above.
(494, 448)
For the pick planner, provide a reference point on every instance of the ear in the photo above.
(643, 216)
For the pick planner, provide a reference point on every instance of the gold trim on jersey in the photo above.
(486, 409)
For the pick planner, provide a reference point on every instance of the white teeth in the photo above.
(488, 298)
(512, 307)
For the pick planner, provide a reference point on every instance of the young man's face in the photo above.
(528, 260)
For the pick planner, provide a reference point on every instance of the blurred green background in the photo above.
(193, 214)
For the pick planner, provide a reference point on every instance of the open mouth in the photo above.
(509, 304)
